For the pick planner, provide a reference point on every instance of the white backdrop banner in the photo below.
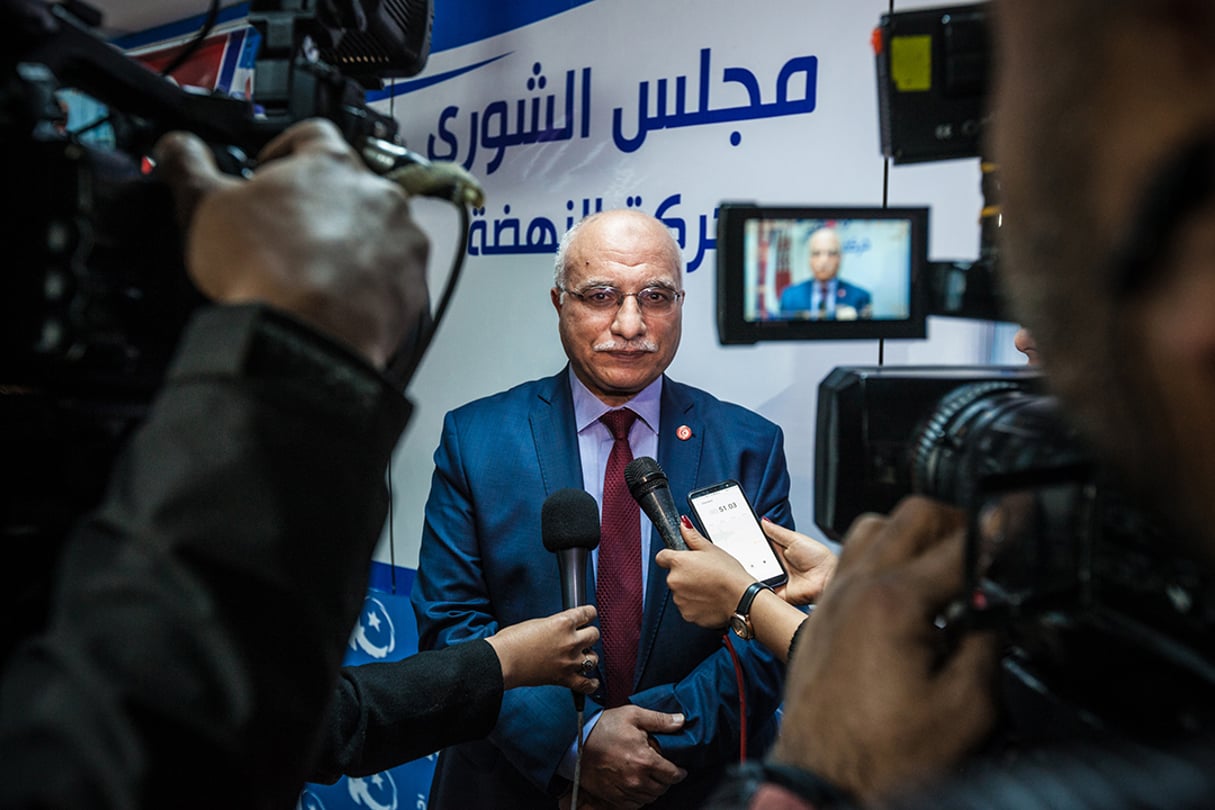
(670, 107)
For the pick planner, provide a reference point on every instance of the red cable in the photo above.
(742, 697)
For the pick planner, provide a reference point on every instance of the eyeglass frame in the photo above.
(581, 296)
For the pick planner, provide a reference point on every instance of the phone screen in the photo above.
(727, 519)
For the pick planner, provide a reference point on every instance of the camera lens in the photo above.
(985, 429)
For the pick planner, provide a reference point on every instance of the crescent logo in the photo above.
(309, 801)
(375, 634)
(376, 792)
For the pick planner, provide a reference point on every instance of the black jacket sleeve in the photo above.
(388, 713)
(201, 612)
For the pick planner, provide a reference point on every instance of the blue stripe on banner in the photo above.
(457, 22)
(391, 579)
(180, 28)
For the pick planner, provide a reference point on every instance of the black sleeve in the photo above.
(385, 714)
(794, 639)
(200, 613)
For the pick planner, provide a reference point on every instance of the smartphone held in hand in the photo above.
(727, 518)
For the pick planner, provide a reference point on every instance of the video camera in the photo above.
(1093, 595)
(933, 74)
(94, 294)
(1094, 598)
(1104, 616)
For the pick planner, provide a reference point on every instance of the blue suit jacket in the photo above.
(796, 299)
(483, 566)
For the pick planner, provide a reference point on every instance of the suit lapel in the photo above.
(555, 435)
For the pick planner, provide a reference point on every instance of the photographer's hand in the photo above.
(874, 701)
(313, 233)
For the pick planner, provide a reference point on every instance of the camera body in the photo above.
(1104, 615)
(933, 69)
(94, 294)
(1092, 596)
(932, 81)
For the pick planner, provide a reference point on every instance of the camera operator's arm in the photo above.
(707, 583)
(201, 610)
(876, 700)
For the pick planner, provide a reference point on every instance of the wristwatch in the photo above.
(740, 622)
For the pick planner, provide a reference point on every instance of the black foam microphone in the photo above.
(649, 486)
(569, 526)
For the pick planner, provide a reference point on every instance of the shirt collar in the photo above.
(588, 407)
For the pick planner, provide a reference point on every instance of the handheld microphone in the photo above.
(569, 526)
(649, 486)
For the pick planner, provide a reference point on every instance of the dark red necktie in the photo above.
(822, 300)
(618, 586)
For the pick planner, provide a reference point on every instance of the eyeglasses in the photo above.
(653, 300)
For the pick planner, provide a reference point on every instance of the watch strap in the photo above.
(744, 604)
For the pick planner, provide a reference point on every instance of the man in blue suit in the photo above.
(662, 731)
(824, 296)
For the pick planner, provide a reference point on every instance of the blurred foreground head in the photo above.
(1094, 99)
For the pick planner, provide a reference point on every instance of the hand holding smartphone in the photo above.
(728, 520)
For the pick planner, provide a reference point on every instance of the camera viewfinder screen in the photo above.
(816, 273)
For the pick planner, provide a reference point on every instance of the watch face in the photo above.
(741, 627)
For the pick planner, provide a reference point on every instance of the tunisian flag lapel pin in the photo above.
(683, 433)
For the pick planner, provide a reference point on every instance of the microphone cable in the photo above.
(742, 696)
(442, 180)
(577, 763)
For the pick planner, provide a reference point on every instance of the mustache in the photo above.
(627, 346)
